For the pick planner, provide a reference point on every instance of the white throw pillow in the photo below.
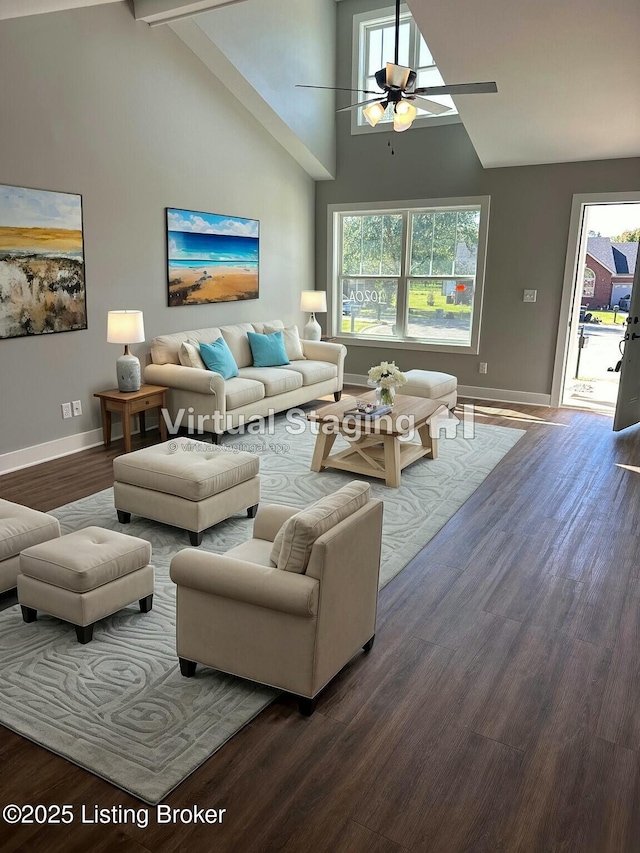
(189, 355)
(291, 338)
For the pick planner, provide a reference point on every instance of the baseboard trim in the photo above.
(502, 395)
(498, 395)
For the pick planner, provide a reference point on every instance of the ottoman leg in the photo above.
(337, 395)
(84, 633)
(195, 537)
(123, 517)
(29, 614)
(252, 510)
(187, 667)
(146, 603)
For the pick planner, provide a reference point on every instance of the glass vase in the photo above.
(385, 396)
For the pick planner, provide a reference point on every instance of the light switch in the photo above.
(530, 296)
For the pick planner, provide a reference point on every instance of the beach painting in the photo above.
(212, 258)
(42, 287)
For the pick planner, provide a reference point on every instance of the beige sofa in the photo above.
(217, 405)
(291, 606)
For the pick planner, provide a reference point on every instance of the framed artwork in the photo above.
(211, 258)
(42, 284)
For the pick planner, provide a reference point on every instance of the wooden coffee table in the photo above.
(375, 448)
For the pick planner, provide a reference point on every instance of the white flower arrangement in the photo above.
(387, 375)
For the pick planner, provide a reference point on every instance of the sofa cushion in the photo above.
(293, 543)
(291, 337)
(256, 551)
(189, 355)
(313, 371)
(267, 350)
(189, 469)
(276, 380)
(219, 358)
(236, 337)
(21, 527)
(165, 349)
(267, 327)
(241, 392)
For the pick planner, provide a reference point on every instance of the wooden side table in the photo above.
(131, 403)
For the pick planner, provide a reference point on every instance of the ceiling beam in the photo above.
(24, 8)
(164, 11)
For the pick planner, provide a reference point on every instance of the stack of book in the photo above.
(376, 412)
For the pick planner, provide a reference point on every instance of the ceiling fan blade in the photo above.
(458, 89)
(430, 106)
(360, 104)
(337, 89)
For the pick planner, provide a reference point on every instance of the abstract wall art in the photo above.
(42, 280)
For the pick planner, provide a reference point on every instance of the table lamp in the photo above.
(126, 327)
(313, 300)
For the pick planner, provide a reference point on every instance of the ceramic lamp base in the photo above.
(312, 331)
(128, 370)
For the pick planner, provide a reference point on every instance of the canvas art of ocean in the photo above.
(42, 283)
(211, 257)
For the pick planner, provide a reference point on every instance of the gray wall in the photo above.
(275, 45)
(528, 231)
(94, 103)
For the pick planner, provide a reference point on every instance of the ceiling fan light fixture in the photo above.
(399, 125)
(406, 111)
(373, 113)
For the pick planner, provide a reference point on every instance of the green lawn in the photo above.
(606, 317)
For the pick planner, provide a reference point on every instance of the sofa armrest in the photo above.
(269, 519)
(249, 583)
(185, 378)
(325, 351)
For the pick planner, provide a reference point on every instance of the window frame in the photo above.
(358, 72)
(334, 288)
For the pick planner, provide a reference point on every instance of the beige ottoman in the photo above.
(186, 483)
(432, 385)
(21, 527)
(85, 576)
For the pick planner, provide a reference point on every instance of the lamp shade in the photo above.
(125, 327)
(313, 300)
(373, 113)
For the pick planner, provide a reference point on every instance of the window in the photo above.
(589, 283)
(411, 275)
(374, 37)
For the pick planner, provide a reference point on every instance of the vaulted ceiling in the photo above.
(568, 74)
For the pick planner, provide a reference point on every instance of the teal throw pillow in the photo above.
(267, 350)
(219, 358)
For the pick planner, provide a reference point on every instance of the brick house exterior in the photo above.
(611, 264)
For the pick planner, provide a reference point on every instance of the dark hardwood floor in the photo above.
(498, 711)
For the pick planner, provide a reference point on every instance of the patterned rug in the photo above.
(119, 706)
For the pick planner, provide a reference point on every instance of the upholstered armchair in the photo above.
(291, 606)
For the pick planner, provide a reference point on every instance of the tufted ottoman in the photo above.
(85, 576)
(433, 385)
(21, 527)
(186, 483)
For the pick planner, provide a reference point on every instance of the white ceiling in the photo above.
(568, 75)
(22, 8)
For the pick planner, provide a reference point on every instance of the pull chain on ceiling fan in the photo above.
(398, 85)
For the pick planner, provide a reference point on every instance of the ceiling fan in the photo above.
(398, 85)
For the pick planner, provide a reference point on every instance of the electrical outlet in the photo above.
(483, 367)
(66, 410)
(530, 296)
(77, 408)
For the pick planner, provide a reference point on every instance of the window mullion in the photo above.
(402, 300)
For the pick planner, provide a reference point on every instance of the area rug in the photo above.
(119, 706)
